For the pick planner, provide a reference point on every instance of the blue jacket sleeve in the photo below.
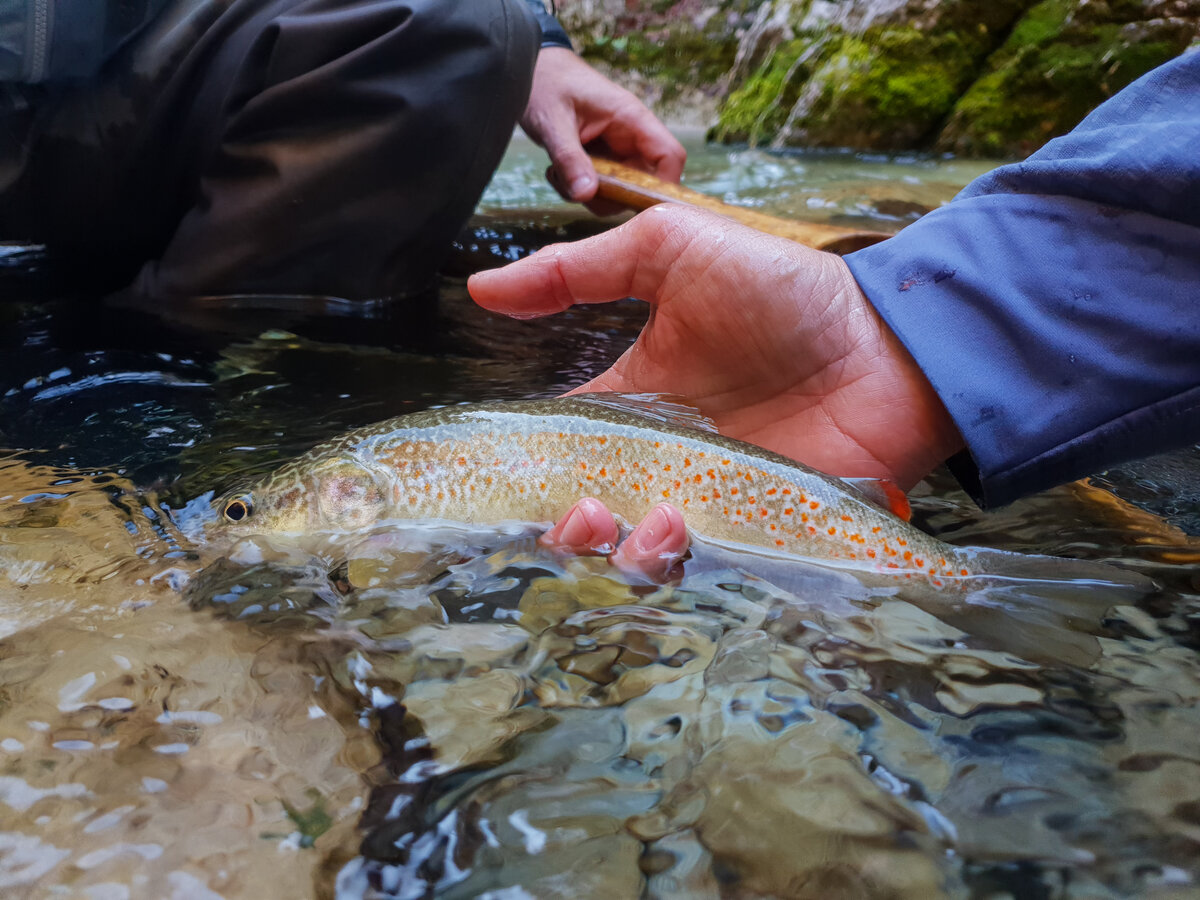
(552, 33)
(1055, 303)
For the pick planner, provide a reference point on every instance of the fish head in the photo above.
(334, 494)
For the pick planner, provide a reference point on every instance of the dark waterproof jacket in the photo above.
(45, 41)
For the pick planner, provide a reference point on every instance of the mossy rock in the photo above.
(1061, 61)
(889, 87)
(755, 113)
(887, 90)
(673, 59)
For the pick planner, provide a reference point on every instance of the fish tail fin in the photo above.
(1107, 580)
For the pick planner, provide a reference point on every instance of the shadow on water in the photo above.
(491, 720)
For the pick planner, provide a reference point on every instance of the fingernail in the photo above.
(574, 530)
(580, 186)
(650, 536)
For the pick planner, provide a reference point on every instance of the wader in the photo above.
(326, 147)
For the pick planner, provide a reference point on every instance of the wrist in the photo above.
(915, 431)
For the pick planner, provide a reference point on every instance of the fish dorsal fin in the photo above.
(882, 492)
(669, 409)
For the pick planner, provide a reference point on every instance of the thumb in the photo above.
(574, 176)
(631, 260)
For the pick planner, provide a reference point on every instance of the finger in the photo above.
(660, 148)
(574, 175)
(656, 546)
(631, 260)
(588, 529)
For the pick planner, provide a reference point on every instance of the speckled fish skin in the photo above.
(530, 460)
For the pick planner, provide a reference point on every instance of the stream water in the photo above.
(508, 724)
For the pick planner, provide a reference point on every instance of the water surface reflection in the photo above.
(501, 722)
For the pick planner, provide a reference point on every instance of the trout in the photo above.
(529, 461)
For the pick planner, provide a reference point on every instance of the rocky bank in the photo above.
(991, 78)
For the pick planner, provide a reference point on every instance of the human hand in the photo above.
(771, 340)
(651, 550)
(572, 106)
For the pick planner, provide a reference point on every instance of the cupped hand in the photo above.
(573, 107)
(773, 341)
(652, 550)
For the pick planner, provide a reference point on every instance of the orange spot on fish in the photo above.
(603, 472)
(677, 485)
(657, 444)
(602, 439)
(902, 542)
(733, 491)
(963, 572)
(813, 504)
(666, 493)
(812, 529)
(832, 530)
(440, 495)
(772, 491)
(774, 527)
(847, 519)
(871, 553)
(686, 462)
(937, 583)
(788, 511)
(778, 542)
(907, 555)
(667, 468)
(725, 462)
(698, 479)
(875, 530)
(787, 492)
(621, 471)
(763, 513)
(704, 498)
(920, 563)
(636, 486)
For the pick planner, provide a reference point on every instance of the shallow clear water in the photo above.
(501, 722)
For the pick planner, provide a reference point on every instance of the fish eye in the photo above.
(237, 509)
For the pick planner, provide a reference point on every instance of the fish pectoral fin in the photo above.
(884, 493)
(670, 409)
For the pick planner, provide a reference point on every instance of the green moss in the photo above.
(312, 822)
(885, 89)
(758, 109)
(683, 56)
(1054, 68)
